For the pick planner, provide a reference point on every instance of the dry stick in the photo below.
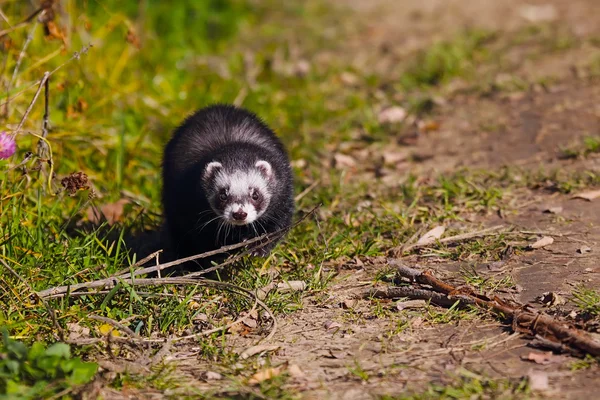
(37, 93)
(522, 320)
(400, 250)
(459, 238)
(412, 293)
(61, 333)
(269, 236)
(18, 64)
(75, 56)
(141, 262)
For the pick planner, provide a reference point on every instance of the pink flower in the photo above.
(7, 145)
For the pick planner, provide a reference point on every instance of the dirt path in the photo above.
(358, 358)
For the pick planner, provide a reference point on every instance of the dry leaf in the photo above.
(432, 235)
(348, 304)
(551, 299)
(428, 126)
(291, 286)
(344, 161)
(263, 375)
(543, 358)
(584, 249)
(392, 115)
(212, 376)
(589, 196)
(250, 322)
(394, 157)
(77, 331)
(254, 350)
(329, 325)
(112, 212)
(543, 242)
(296, 372)
(538, 13)
(348, 78)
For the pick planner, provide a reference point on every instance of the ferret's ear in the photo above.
(211, 168)
(265, 168)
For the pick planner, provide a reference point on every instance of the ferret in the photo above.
(226, 179)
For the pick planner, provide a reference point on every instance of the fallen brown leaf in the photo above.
(432, 235)
(589, 196)
(543, 358)
(254, 350)
(392, 115)
(344, 161)
(330, 325)
(543, 242)
(113, 212)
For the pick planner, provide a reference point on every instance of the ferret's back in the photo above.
(213, 127)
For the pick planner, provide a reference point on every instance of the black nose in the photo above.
(240, 215)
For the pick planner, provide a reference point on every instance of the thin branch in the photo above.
(521, 320)
(75, 56)
(18, 64)
(263, 239)
(30, 107)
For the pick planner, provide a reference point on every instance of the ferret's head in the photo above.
(239, 196)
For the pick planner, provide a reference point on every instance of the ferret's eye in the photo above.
(223, 195)
(254, 195)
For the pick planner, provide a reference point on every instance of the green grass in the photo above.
(587, 300)
(467, 385)
(589, 145)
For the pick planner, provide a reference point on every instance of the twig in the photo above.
(75, 56)
(137, 263)
(400, 250)
(521, 320)
(459, 238)
(18, 64)
(412, 293)
(61, 333)
(307, 190)
(264, 239)
(30, 107)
